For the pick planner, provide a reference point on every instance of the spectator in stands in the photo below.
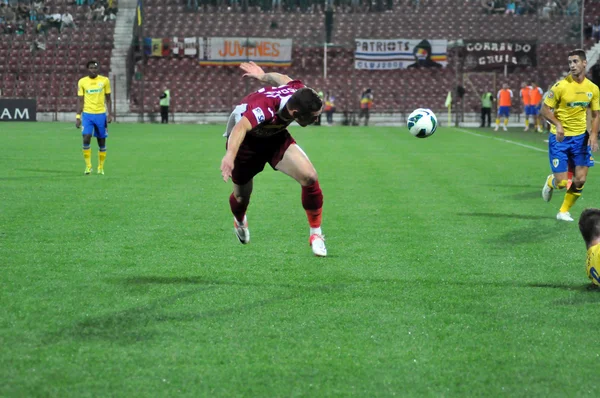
(549, 9)
(596, 30)
(165, 102)
(487, 99)
(23, 12)
(112, 8)
(366, 102)
(97, 12)
(88, 13)
(572, 8)
(2, 12)
(66, 21)
(192, 5)
(511, 8)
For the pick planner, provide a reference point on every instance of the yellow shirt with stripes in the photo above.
(592, 265)
(93, 92)
(570, 99)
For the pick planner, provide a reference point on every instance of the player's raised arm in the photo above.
(233, 145)
(256, 72)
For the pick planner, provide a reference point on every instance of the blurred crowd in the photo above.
(544, 8)
(15, 14)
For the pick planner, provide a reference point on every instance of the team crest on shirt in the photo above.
(551, 94)
(590, 95)
(555, 162)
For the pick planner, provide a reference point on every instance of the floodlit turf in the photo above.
(447, 274)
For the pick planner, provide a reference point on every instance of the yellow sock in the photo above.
(505, 122)
(570, 198)
(101, 158)
(87, 156)
(527, 123)
(497, 122)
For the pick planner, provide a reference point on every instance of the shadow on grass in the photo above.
(197, 280)
(505, 215)
(526, 195)
(48, 171)
(142, 322)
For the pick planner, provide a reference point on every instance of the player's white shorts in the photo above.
(234, 118)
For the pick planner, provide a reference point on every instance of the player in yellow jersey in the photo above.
(589, 226)
(569, 143)
(93, 114)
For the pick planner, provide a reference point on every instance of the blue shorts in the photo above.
(94, 123)
(503, 111)
(572, 150)
(530, 110)
(535, 109)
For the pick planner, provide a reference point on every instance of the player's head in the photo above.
(533, 84)
(92, 67)
(505, 86)
(577, 62)
(524, 84)
(305, 106)
(589, 225)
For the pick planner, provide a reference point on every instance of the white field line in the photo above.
(502, 139)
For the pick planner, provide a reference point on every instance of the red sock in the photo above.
(238, 209)
(312, 201)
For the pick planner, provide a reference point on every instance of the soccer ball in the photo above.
(422, 123)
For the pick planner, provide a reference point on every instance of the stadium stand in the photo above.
(47, 66)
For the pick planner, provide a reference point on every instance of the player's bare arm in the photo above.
(79, 111)
(549, 115)
(594, 132)
(108, 108)
(270, 79)
(233, 145)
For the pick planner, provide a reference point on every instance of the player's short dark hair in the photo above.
(589, 225)
(578, 52)
(91, 62)
(306, 101)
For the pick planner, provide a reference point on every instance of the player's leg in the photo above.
(101, 133)
(238, 202)
(87, 128)
(498, 119)
(506, 116)
(582, 159)
(559, 163)
(527, 112)
(296, 164)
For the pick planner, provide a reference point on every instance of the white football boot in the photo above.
(564, 216)
(317, 244)
(547, 190)
(241, 230)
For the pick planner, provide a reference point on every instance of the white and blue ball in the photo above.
(422, 123)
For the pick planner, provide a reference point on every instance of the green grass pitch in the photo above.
(447, 274)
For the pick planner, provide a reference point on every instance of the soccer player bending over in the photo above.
(589, 226)
(93, 92)
(257, 134)
(569, 143)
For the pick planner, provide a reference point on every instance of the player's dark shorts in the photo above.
(572, 150)
(94, 123)
(255, 152)
(504, 111)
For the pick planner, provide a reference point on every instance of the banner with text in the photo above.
(234, 50)
(18, 110)
(374, 54)
(490, 55)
